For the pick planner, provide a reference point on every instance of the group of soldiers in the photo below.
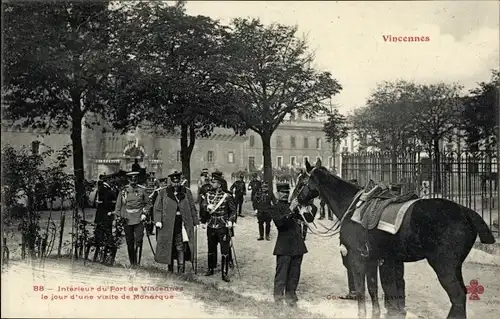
(172, 211)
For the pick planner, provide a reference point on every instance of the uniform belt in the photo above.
(177, 213)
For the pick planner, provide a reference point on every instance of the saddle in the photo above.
(374, 200)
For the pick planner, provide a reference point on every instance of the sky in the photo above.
(347, 38)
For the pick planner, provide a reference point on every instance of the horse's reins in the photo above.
(335, 227)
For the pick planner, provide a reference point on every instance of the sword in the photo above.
(234, 254)
(149, 240)
(196, 250)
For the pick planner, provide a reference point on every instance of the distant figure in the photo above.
(136, 167)
(239, 191)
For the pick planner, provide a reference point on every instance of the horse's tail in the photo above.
(485, 234)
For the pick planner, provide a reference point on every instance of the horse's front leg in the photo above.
(372, 283)
(358, 271)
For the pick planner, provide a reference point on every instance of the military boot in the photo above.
(268, 231)
(261, 232)
(209, 272)
(225, 269)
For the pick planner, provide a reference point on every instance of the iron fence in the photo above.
(468, 178)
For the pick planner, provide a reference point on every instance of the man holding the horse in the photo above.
(289, 250)
(263, 205)
(219, 213)
(175, 218)
(132, 205)
(239, 190)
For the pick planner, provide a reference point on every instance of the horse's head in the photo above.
(307, 186)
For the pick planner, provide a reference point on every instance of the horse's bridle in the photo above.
(294, 203)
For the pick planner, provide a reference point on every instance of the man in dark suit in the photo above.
(239, 190)
(289, 250)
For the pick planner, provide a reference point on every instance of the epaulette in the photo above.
(106, 184)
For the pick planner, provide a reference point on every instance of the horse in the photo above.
(436, 229)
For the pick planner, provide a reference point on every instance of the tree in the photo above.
(25, 185)
(271, 71)
(436, 112)
(58, 66)
(480, 113)
(336, 128)
(385, 123)
(180, 86)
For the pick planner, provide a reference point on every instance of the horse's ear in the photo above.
(308, 166)
(318, 163)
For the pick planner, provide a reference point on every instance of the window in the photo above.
(279, 141)
(292, 142)
(230, 157)
(279, 161)
(178, 156)
(306, 142)
(330, 161)
(251, 163)
(35, 147)
(210, 156)
(252, 141)
(318, 143)
(304, 159)
(293, 160)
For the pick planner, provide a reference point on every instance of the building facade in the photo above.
(106, 151)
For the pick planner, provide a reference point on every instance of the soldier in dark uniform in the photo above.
(254, 186)
(219, 214)
(289, 250)
(322, 208)
(132, 205)
(263, 206)
(136, 167)
(105, 203)
(239, 189)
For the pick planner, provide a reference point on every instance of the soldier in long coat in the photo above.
(175, 217)
(289, 250)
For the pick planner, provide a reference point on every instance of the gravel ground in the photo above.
(323, 278)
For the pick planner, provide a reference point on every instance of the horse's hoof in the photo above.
(376, 315)
(361, 314)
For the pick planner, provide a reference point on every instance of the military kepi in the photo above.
(283, 187)
(133, 173)
(217, 176)
(175, 177)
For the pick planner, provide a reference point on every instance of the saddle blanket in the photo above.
(389, 220)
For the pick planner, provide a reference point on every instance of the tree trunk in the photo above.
(188, 138)
(76, 139)
(437, 165)
(268, 165)
(61, 232)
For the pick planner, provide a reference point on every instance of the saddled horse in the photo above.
(436, 229)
